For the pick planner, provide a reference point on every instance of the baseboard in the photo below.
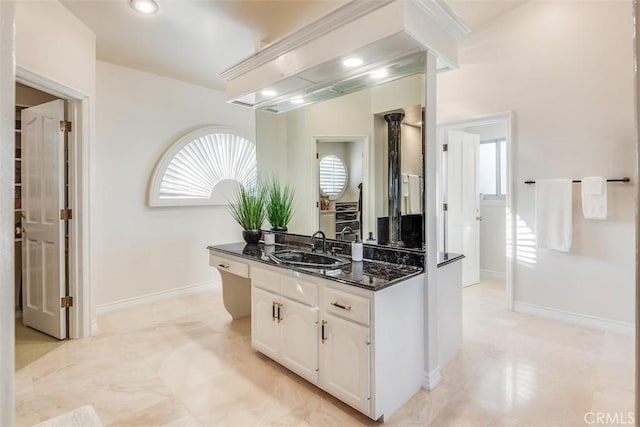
(490, 274)
(431, 379)
(110, 307)
(578, 319)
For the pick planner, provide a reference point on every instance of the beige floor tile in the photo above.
(183, 362)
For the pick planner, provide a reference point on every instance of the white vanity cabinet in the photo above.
(282, 328)
(345, 361)
(299, 339)
(363, 347)
(265, 332)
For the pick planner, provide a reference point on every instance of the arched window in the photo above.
(202, 167)
(333, 176)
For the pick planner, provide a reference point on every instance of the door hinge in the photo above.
(65, 126)
(445, 147)
(66, 214)
(317, 156)
(445, 207)
(66, 302)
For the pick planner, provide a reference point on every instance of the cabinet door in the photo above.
(344, 361)
(299, 339)
(264, 328)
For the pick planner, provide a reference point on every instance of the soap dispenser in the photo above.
(356, 249)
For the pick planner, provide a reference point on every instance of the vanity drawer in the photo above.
(230, 266)
(299, 290)
(265, 279)
(346, 305)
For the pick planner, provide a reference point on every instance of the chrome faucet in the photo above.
(324, 239)
(345, 229)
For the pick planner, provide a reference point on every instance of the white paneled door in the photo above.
(43, 196)
(463, 199)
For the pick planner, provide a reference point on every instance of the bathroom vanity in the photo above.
(355, 332)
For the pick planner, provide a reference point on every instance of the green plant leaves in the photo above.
(248, 206)
(280, 203)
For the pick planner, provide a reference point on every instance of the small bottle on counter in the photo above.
(356, 249)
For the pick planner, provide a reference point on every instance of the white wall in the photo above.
(7, 313)
(493, 237)
(571, 91)
(139, 250)
(52, 42)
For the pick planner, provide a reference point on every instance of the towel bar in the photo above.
(624, 179)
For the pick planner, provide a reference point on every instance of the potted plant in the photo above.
(279, 204)
(248, 208)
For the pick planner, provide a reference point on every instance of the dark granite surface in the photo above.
(374, 252)
(372, 275)
(448, 258)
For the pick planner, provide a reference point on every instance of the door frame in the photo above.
(511, 222)
(79, 271)
(368, 213)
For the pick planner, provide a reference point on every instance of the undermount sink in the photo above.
(307, 259)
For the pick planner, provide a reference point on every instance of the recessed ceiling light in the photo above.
(144, 6)
(352, 62)
(297, 100)
(269, 92)
(378, 74)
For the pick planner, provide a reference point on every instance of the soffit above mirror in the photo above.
(307, 66)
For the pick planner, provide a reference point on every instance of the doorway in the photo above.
(476, 199)
(341, 184)
(41, 236)
(77, 168)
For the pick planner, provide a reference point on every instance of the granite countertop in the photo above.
(371, 275)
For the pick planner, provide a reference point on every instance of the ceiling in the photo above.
(195, 40)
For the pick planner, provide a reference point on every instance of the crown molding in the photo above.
(440, 12)
(335, 19)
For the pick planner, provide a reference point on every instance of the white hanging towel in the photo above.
(404, 192)
(414, 195)
(594, 197)
(553, 214)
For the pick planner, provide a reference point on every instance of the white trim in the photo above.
(36, 81)
(437, 10)
(441, 13)
(122, 304)
(490, 274)
(579, 319)
(325, 24)
(432, 379)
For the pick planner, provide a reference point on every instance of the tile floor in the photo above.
(182, 362)
(31, 345)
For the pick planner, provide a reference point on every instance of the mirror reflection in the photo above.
(355, 161)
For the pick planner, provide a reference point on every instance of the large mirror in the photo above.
(336, 154)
